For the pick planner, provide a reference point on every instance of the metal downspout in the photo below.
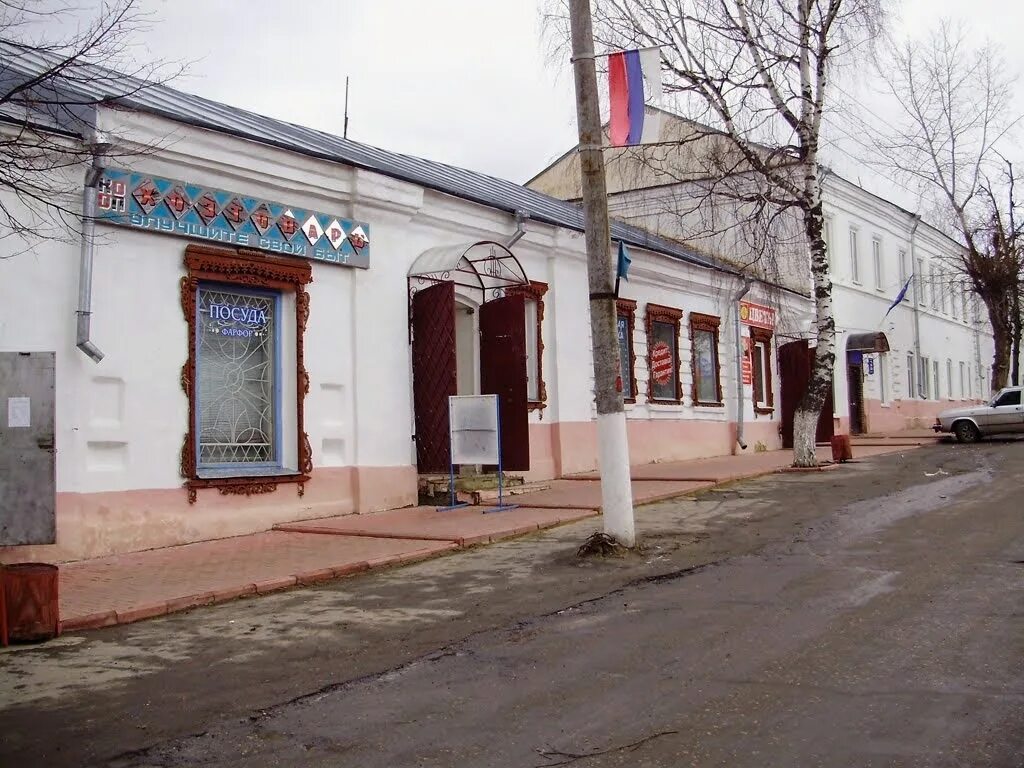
(521, 217)
(84, 312)
(740, 404)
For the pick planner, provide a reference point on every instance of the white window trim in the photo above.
(855, 276)
(876, 258)
(760, 359)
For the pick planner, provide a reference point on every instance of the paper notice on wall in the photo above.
(18, 410)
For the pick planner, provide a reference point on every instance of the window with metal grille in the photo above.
(237, 377)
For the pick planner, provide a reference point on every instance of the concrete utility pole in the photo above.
(616, 492)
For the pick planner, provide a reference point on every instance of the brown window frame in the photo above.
(250, 269)
(535, 292)
(763, 336)
(627, 308)
(711, 324)
(656, 313)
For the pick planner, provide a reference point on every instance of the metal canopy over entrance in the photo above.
(500, 336)
(867, 342)
(484, 265)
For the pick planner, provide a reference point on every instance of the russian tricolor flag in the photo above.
(627, 71)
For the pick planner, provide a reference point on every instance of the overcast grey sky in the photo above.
(466, 82)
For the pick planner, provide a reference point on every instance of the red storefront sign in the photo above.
(757, 315)
(747, 363)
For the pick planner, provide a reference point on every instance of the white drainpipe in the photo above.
(84, 312)
(740, 399)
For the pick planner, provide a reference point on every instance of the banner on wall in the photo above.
(181, 208)
(748, 363)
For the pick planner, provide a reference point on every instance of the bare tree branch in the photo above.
(956, 115)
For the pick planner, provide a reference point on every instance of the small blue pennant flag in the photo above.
(899, 297)
(624, 262)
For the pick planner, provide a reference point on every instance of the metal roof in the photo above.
(194, 110)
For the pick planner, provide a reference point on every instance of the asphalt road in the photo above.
(870, 616)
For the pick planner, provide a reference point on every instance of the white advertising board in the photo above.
(473, 420)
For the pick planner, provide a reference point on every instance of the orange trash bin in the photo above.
(842, 450)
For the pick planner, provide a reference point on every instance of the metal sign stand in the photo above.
(502, 506)
(474, 434)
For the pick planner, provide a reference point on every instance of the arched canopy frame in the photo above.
(484, 266)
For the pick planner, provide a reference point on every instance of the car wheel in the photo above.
(966, 432)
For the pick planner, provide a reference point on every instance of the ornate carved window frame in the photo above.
(627, 308)
(764, 336)
(711, 324)
(535, 292)
(656, 313)
(251, 269)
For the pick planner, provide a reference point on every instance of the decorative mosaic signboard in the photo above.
(192, 210)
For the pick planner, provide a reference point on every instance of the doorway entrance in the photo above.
(796, 361)
(855, 391)
(468, 337)
(858, 345)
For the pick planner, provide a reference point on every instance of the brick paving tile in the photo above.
(586, 494)
(463, 526)
(719, 469)
(131, 587)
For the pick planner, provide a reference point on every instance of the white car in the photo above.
(1003, 414)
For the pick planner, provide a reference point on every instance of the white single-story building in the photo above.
(268, 320)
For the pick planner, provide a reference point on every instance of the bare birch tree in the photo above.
(59, 62)
(756, 74)
(955, 106)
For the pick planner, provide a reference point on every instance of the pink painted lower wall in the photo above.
(566, 448)
(901, 415)
(761, 431)
(99, 524)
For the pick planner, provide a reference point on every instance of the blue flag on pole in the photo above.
(899, 297)
(624, 262)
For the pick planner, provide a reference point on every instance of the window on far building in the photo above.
(876, 257)
(963, 381)
(935, 379)
(949, 379)
(854, 256)
(919, 283)
(903, 273)
(933, 288)
(663, 385)
(707, 385)
(826, 235)
(761, 353)
(925, 371)
(533, 295)
(911, 389)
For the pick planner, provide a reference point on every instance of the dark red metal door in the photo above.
(503, 373)
(796, 361)
(433, 373)
(855, 390)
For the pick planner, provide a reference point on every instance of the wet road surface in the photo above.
(881, 626)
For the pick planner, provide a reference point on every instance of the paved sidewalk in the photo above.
(127, 588)
(724, 469)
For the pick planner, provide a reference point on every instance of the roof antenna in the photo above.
(344, 130)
